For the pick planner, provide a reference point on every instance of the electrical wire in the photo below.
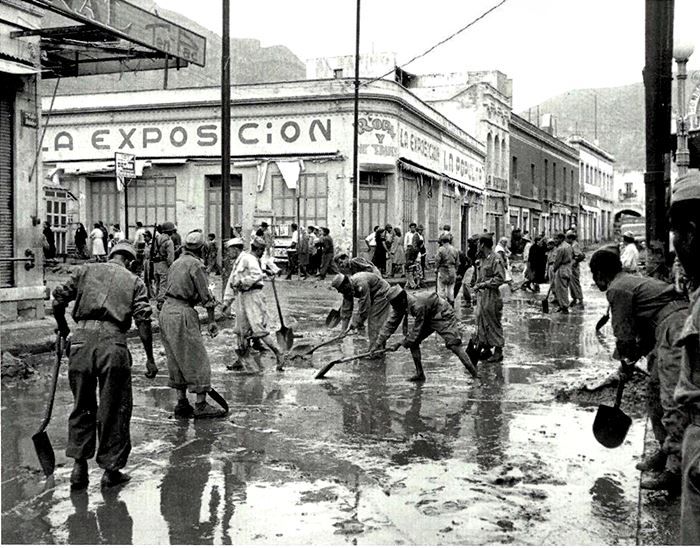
(438, 44)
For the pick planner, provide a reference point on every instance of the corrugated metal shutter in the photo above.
(6, 191)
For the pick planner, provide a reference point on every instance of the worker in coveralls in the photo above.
(489, 275)
(371, 292)
(577, 256)
(107, 297)
(685, 223)
(162, 257)
(647, 316)
(246, 283)
(188, 362)
(431, 314)
(561, 272)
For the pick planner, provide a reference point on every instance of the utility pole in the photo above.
(225, 138)
(657, 91)
(355, 166)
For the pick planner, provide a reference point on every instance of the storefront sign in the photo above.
(694, 110)
(29, 119)
(189, 138)
(135, 24)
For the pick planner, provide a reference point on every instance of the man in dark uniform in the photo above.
(561, 272)
(188, 362)
(647, 316)
(431, 314)
(163, 255)
(577, 257)
(685, 222)
(107, 297)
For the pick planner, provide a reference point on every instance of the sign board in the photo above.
(136, 25)
(124, 168)
(29, 119)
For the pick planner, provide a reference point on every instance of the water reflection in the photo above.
(608, 500)
(490, 423)
(110, 523)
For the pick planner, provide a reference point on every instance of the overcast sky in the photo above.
(546, 46)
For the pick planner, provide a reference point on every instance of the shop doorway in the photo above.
(465, 228)
(372, 204)
(57, 216)
(213, 183)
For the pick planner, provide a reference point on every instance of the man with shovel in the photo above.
(188, 362)
(107, 297)
(371, 292)
(431, 314)
(246, 283)
(647, 315)
(685, 223)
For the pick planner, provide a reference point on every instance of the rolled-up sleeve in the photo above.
(141, 310)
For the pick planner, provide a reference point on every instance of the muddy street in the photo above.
(360, 457)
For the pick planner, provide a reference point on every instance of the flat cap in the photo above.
(194, 240)
(167, 226)
(570, 233)
(338, 281)
(257, 242)
(123, 247)
(686, 188)
(628, 234)
(235, 242)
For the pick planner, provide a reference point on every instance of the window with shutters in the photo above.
(313, 200)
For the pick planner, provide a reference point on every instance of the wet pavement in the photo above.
(360, 457)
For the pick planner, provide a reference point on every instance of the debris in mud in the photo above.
(349, 527)
(16, 368)
(324, 494)
(633, 397)
(505, 524)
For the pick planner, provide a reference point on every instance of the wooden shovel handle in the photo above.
(330, 365)
(618, 396)
(277, 302)
(54, 383)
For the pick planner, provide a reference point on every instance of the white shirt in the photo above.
(408, 239)
(118, 236)
(138, 237)
(629, 258)
(245, 271)
(371, 239)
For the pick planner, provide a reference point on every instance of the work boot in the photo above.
(183, 409)
(485, 353)
(79, 476)
(563, 310)
(418, 377)
(112, 478)
(203, 410)
(665, 481)
(497, 356)
(258, 346)
(654, 462)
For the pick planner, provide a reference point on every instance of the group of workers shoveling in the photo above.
(647, 318)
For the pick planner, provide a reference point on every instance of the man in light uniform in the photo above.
(577, 256)
(685, 223)
(446, 261)
(561, 269)
(246, 283)
(163, 255)
(490, 274)
(188, 361)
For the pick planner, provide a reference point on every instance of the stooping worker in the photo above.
(577, 256)
(489, 275)
(245, 286)
(685, 223)
(371, 292)
(162, 256)
(432, 314)
(647, 316)
(349, 266)
(561, 270)
(107, 297)
(446, 262)
(188, 361)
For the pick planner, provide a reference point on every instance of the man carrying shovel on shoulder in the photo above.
(371, 292)
(246, 283)
(107, 297)
(431, 314)
(188, 361)
(647, 316)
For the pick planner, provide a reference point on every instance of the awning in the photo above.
(590, 209)
(61, 189)
(12, 67)
(411, 167)
(97, 166)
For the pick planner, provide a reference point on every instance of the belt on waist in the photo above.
(252, 288)
(99, 325)
(178, 299)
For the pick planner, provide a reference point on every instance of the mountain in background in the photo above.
(251, 64)
(620, 119)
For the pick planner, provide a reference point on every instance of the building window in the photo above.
(313, 200)
(514, 169)
(535, 193)
(152, 200)
(546, 179)
(555, 191)
(337, 73)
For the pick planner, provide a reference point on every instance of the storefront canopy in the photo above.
(412, 167)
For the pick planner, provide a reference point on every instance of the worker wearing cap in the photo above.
(647, 316)
(432, 314)
(561, 272)
(685, 223)
(630, 253)
(489, 275)
(419, 245)
(446, 262)
(344, 264)
(188, 362)
(246, 283)
(162, 256)
(107, 297)
(371, 292)
(577, 256)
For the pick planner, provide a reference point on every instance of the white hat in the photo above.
(235, 242)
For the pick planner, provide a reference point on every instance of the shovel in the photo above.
(218, 398)
(333, 318)
(545, 301)
(285, 336)
(611, 424)
(603, 320)
(42, 444)
(473, 352)
(326, 368)
(307, 349)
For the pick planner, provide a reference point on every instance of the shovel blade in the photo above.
(44, 452)
(601, 322)
(610, 426)
(545, 306)
(333, 318)
(285, 339)
(473, 352)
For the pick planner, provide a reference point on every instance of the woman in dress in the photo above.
(379, 258)
(97, 243)
(398, 254)
(80, 240)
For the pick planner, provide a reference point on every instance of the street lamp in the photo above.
(681, 53)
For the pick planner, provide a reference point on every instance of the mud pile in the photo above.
(633, 397)
(16, 368)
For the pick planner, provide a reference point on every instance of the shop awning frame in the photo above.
(416, 169)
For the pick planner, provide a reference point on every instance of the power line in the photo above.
(440, 43)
